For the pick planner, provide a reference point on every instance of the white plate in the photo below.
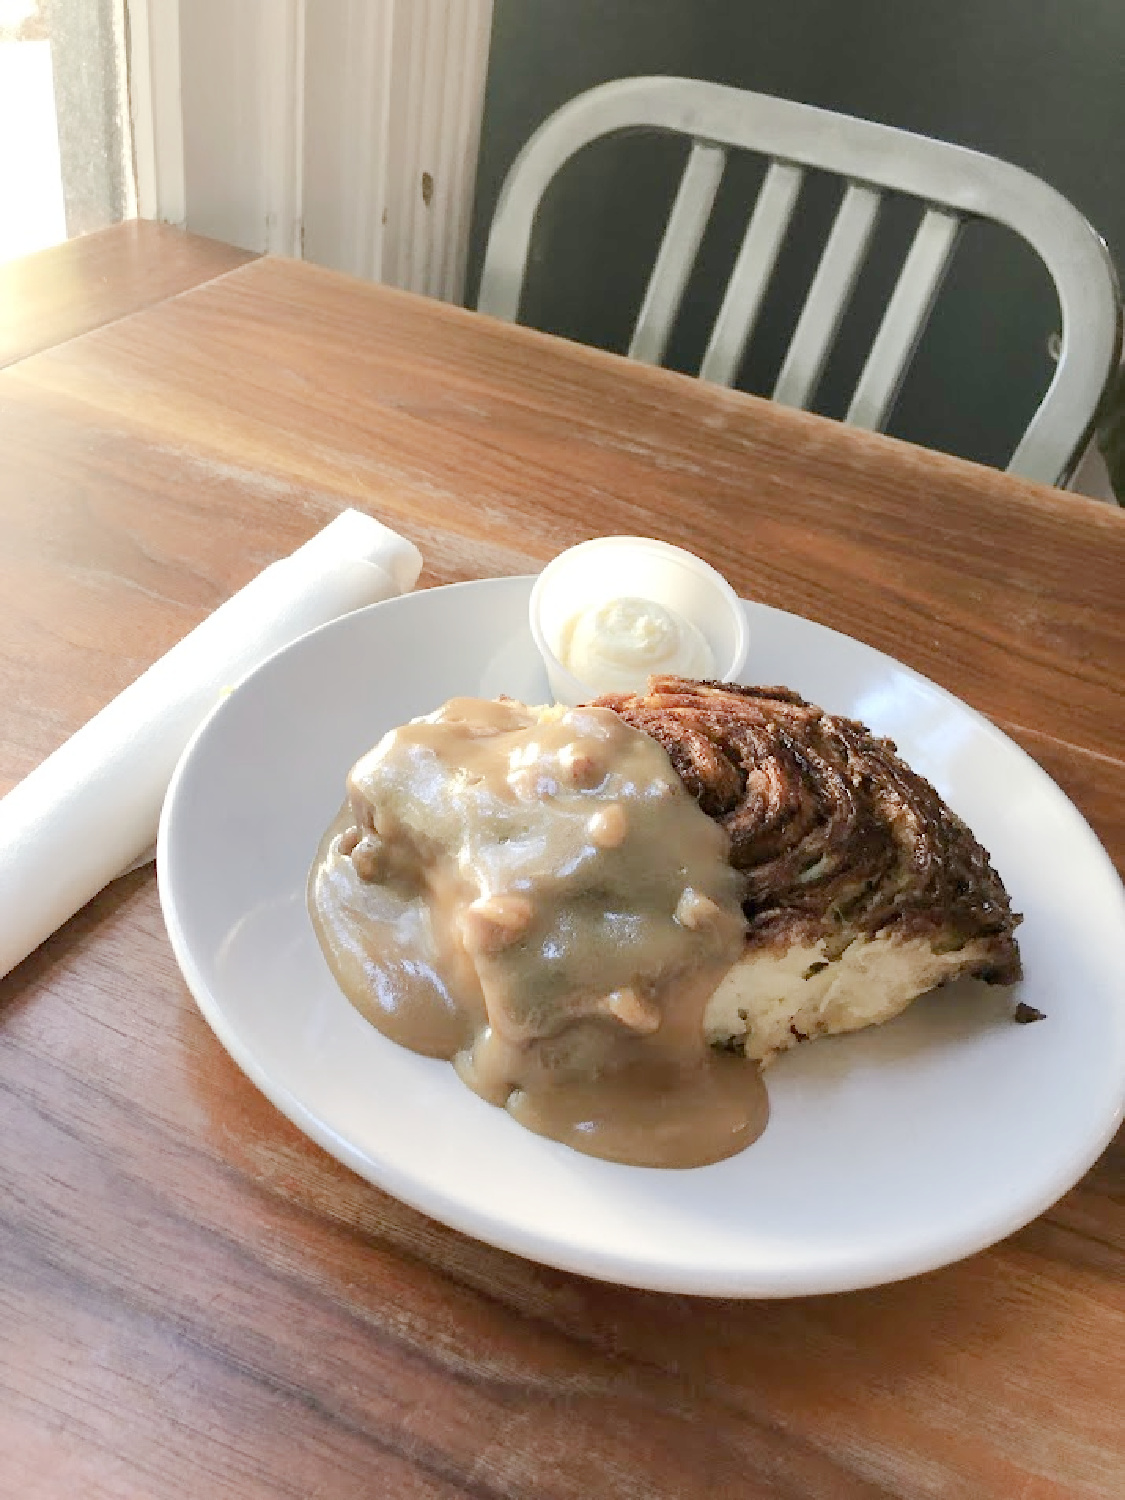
(888, 1153)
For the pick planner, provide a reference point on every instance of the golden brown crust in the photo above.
(833, 831)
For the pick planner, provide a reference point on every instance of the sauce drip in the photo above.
(533, 895)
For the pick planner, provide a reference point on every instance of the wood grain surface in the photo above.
(87, 282)
(194, 1300)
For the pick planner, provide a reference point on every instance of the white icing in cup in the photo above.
(608, 645)
(609, 612)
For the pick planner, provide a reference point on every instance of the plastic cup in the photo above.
(614, 567)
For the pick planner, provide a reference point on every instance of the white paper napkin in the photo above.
(90, 811)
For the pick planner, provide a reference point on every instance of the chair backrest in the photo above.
(954, 185)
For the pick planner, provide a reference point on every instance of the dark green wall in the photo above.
(1038, 82)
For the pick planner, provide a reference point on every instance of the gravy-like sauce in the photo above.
(534, 895)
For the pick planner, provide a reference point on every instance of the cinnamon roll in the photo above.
(862, 889)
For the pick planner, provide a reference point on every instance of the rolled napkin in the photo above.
(90, 811)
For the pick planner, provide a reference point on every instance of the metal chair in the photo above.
(954, 185)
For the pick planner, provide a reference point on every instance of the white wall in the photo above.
(394, 92)
(343, 130)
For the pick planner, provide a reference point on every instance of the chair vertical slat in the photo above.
(752, 271)
(904, 319)
(831, 289)
(677, 253)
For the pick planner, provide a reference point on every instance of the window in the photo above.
(65, 151)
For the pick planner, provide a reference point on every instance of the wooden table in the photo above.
(195, 1301)
(88, 282)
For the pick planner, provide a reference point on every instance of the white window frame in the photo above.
(153, 39)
